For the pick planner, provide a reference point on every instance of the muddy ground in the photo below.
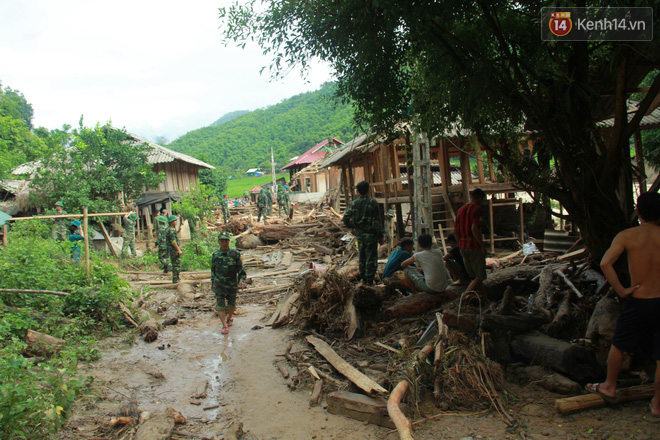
(221, 383)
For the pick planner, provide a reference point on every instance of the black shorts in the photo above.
(639, 322)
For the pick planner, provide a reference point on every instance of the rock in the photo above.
(249, 241)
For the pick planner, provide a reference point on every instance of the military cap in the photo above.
(58, 203)
(132, 216)
(161, 219)
(172, 218)
(76, 223)
(224, 235)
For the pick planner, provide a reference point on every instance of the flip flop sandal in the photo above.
(230, 322)
(594, 388)
(225, 331)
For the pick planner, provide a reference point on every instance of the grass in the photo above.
(235, 187)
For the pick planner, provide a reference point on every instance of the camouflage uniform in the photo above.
(225, 210)
(226, 272)
(262, 200)
(364, 216)
(129, 235)
(171, 238)
(60, 231)
(161, 241)
(286, 199)
(269, 195)
(280, 200)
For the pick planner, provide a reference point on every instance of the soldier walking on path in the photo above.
(227, 276)
(262, 200)
(60, 232)
(173, 248)
(364, 216)
(129, 234)
(161, 242)
(225, 209)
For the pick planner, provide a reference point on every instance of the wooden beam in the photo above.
(107, 240)
(86, 238)
(575, 404)
(491, 166)
(363, 382)
(43, 217)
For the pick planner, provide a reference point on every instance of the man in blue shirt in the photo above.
(401, 254)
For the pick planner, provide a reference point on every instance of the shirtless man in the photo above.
(641, 311)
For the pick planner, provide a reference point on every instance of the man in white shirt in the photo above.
(431, 274)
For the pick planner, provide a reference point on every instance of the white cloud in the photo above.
(155, 67)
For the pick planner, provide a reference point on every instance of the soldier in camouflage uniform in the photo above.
(227, 275)
(262, 200)
(286, 198)
(280, 200)
(173, 249)
(129, 234)
(364, 216)
(161, 241)
(269, 195)
(60, 232)
(225, 209)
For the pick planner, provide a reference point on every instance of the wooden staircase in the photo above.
(443, 220)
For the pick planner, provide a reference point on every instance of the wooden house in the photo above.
(304, 172)
(441, 180)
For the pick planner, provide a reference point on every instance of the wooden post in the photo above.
(480, 166)
(492, 226)
(86, 235)
(445, 173)
(107, 240)
(5, 231)
(465, 174)
(491, 166)
(639, 156)
(522, 223)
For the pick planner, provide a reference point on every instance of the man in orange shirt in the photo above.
(467, 230)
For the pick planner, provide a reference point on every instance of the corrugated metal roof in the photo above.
(312, 155)
(649, 122)
(12, 186)
(343, 151)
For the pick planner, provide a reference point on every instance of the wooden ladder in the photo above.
(443, 219)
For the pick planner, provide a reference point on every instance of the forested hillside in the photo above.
(291, 127)
(230, 117)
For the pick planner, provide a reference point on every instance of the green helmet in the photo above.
(58, 203)
(161, 219)
(172, 218)
(224, 235)
(132, 216)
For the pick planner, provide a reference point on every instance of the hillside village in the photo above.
(313, 269)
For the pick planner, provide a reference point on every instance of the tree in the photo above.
(100, 164)
(216, 180)
(14, 105)
(196, 205)
(482, 65)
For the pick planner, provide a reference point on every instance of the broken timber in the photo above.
(363, 382)
(359, 407)
(575, 404)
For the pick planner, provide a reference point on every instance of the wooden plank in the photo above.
(363, 382)
(268, 274)
(573, 255)
(575, 404)
(287, 257)
(360, 407)
(569, 283)
(107, 240)
(43, 217)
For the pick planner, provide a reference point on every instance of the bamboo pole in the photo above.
(45, 292)
(5, 231)
(43, 217)
(86, 235)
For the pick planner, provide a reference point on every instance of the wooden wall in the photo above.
(179, 176)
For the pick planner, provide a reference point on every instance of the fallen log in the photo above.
(277, 232)
(45, 292)
(570, 405)
(415, 305)
(562, 318)
(249, 241)
(359, 407)
(39, 344)
(322, 249)
(462, 323)
(363, 382)
(518, 323)
(352, 316)
(149, 327)
(575, 361)
(283, 315)
(603, 319)
(315, 398)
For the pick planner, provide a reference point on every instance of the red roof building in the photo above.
(310, 156)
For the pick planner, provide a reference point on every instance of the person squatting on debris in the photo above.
(262, 199)
(161, 242)
(227, 276)
(173, 248)
(75, 236)
(225, 209)
(59, 232)
(364, 216)
(434, 278)
(467, 229)
(398, 256)
(454, 262)
(639, 320)
(130, 221)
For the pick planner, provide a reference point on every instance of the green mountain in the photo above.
(291, 127)
(230, 117)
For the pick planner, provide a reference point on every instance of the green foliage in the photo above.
(651, 145)
(229, 117)
(35, 399)
(14, 105)
(196, 205)
(215, 179)
(290, 127)
(101, 163)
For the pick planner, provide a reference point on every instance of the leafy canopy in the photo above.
(100, 164)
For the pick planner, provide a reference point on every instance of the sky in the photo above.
(157, 68)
